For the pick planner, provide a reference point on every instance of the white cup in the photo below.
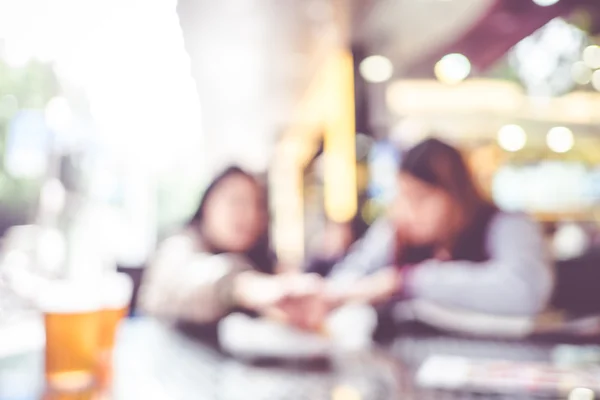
(351, 326)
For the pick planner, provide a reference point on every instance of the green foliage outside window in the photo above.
(27, 87)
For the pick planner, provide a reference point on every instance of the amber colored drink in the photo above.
(116, 291)
(116, 294)
(87, 394)
(109, 323)
(71, 348)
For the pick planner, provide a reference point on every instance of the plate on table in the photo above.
(347, 328)
(252, 338)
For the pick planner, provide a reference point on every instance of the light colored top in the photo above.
(517, 279)
(186, 282)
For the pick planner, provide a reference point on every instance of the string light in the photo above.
(512, 138)
(560, 139)
(581, 73)
(452, 68)
(591, 56)
(376, 69)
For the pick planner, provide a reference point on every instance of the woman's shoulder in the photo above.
(183, 240)
(381, 231)
(513, 221)
(383, 224)
(514, 216)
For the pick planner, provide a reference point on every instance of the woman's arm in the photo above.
(365, 275)
(373, 252)
(517, 280)
(184, 284)
(181, 283)
(376, 288)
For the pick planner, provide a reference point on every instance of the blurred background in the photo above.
(115, 115)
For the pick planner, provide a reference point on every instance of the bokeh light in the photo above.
(53, 196)
(345, 392)
(581, 73)
(512, 138)
(376, 69)
(596, 80)
(9, 105)
(570, 241)
(581, 394)
(545, 3)
(27, 145)
(452, 68)
(591, 56)
(560, 139)
(58, 114)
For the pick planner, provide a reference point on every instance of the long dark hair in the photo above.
(260, 254)
(443, 166)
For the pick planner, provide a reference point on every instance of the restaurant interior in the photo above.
(116, 117)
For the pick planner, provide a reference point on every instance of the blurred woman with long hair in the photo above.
(221, 260)
(443, 241)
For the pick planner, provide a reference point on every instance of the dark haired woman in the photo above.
(222, 260)
(444, 242)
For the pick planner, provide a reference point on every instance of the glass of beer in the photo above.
(72, 320)
(116, 291)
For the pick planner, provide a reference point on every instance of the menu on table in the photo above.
(480, 375)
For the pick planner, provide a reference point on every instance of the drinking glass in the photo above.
(72, 320)
(116, 291)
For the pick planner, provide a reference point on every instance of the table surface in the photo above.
(154, 361)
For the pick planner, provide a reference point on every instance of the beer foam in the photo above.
(69, 296)
(117, 289)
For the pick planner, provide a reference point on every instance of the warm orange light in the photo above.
(328, 110)
(339, 144)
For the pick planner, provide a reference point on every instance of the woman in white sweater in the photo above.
(221, 261)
